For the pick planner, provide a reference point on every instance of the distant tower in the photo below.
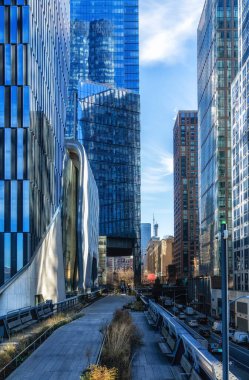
(155, 225)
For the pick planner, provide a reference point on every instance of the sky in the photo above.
(168, 83)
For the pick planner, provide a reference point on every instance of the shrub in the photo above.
(96, 372)
(122, 338)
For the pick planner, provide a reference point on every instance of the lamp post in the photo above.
(224, 294)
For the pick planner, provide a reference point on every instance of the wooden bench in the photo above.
(27, 320)
(44, 312)
(14, 325)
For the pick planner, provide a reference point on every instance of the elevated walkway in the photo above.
(149, 363)
(71, 348)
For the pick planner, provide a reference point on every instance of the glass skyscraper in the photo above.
(217, 67)
(240, 156)
(34, 70)
(104, 83)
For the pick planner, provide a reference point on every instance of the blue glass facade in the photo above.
(240, 156)
(105, 79)
(34, 69)
(217, 67)
(104, 45)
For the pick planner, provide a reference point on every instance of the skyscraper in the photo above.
(186, 216)
(105, 82)
(240, 156)
(145, 238)
(34, 58)
(217, 67)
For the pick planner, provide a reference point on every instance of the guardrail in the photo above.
(34, 311)
(187, 344)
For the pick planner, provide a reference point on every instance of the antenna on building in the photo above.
(155, 226)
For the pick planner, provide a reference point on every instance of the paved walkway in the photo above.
(149, 363)
(71, 348)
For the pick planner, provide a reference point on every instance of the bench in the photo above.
(186, 365)
(44, 312)
(178, 373)
(27, 320)
(152, 317)
(167, 347)
(14, 324)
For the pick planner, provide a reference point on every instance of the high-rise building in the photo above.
(240, 156)
(104, 82)
(34, 58)
(217, 67)
(186, 216)
(145, 238)
(39, 260)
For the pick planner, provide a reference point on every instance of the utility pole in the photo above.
(224, 297)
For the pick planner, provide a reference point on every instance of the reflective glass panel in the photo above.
(13, 211)
(1, 106)
(19, 64)
(1, 206)
(20, 153)
(14, 107)
(19, 251)
(7, 154)
(13, 24)
(26, 120)
(25, 206)
(25, 24)
(7, 64)
(7, 256)
(1, 24)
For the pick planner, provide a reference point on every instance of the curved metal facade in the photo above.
(80, 220)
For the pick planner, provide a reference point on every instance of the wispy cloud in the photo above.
(165, 27)
(157, 166)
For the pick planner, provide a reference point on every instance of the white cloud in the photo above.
(165, 27)
(157, 166)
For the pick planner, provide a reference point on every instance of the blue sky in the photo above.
(168, 83)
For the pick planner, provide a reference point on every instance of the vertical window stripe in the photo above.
(19, 153)
(19, 251)
(13, 24)
(25, 24)
(1, 206)
(25, 206)
(1, 107)
(1, 24)
(26, 119)
(7, 64)
(7, 154)
(14, 107)
(7, 251)
(13, 207)
(20, 64)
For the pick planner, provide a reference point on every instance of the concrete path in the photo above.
(71, 348)
(148, 362)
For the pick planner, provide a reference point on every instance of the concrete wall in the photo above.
(44, 275)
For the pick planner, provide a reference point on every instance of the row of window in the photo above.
(14, 206)
(10, 18)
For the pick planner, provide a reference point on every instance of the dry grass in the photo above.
(122, 339)
(20, 341)
(96, 372)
